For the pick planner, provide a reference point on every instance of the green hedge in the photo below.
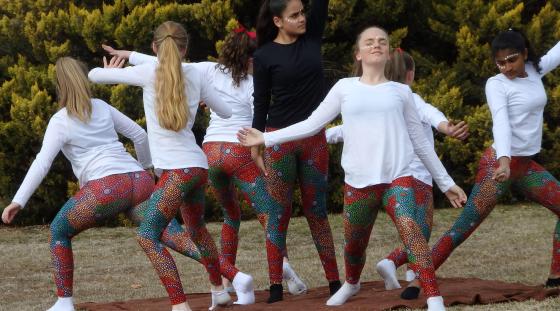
(449, 40)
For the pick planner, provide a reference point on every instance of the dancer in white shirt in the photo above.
(377, 167)
(516, 98)
(402, 69)
(111, 180)
(229, 162)
(171, 92)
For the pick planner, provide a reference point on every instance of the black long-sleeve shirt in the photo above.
(288, 78)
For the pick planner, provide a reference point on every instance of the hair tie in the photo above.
(399, 50)
(241, 29)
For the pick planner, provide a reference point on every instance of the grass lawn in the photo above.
(513, 245)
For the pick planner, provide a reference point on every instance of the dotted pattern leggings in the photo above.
(360, 211)
(307, 160)
(528, 176)
(179, 189)
(95, 202)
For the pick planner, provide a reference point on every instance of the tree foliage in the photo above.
(449, 40)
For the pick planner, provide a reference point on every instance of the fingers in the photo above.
(260, 164)
(108, 49)
(459, 131)
(105, 65)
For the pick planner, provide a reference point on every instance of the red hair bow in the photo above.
(241, 29)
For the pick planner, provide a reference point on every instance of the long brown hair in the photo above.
(234, 56)
(401, 63)
(170, 38)
(72, 87)
(357, 70)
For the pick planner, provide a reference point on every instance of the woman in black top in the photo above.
(289, 84)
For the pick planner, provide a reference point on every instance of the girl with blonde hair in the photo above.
(111, 180)
(172, 92)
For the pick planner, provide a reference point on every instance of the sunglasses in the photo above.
(512, 58)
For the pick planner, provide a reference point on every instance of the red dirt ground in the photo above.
(371, 297)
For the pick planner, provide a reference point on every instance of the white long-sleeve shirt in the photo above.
(93, 148)
(382, 131)
(239, 98)
(430, 117)
(517, 107)
(169, 149)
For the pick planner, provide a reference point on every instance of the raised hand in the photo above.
(456, 196)
(458, 129)
(119, 53)
(115, 62)
(10, 212)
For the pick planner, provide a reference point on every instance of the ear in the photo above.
(409, 77)
(358, 56)
(278, 21)
(154, 48)
(183, 52)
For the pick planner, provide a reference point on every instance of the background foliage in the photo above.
(449, 40)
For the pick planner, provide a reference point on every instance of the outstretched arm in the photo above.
(426, 153)
(53, 141)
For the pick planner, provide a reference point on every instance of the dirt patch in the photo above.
(373, 296)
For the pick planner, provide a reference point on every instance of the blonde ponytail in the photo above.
(171, 98)
(72, 87)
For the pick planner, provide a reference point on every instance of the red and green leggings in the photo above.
(180, 190)
(423, 212)
(360, 211)
(98, 200)
(527, 175)
(307, 161)
(231, 167)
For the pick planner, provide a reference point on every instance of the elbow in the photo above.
(92, 76)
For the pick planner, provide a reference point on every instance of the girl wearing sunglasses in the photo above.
(516, 98)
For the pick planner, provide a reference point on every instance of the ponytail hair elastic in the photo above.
(241, 29)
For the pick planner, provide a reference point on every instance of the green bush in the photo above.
(449, 40)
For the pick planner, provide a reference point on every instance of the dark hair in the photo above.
(515, 40)
(357, 67)
(235, 53)
(266, 30)
(401, 63)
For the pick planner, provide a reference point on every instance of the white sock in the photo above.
(410, 275)
(388, 271)
(181, 307)
(436, 304)
(63, 304)
(219, 298)
(346, 291)
(243, 285)
(295, 284)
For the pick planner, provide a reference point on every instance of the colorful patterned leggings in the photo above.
(231, 167)
(424, 213)
(97, 201)
(537, 184)
(360, 211)
(179, 189)
(307, 160)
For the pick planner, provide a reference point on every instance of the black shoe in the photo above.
(410, 293)
(276, 293)
(334, 286)
(552, 283)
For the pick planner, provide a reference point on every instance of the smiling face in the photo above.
(511, 63)
(292, 21)
(373, 47)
